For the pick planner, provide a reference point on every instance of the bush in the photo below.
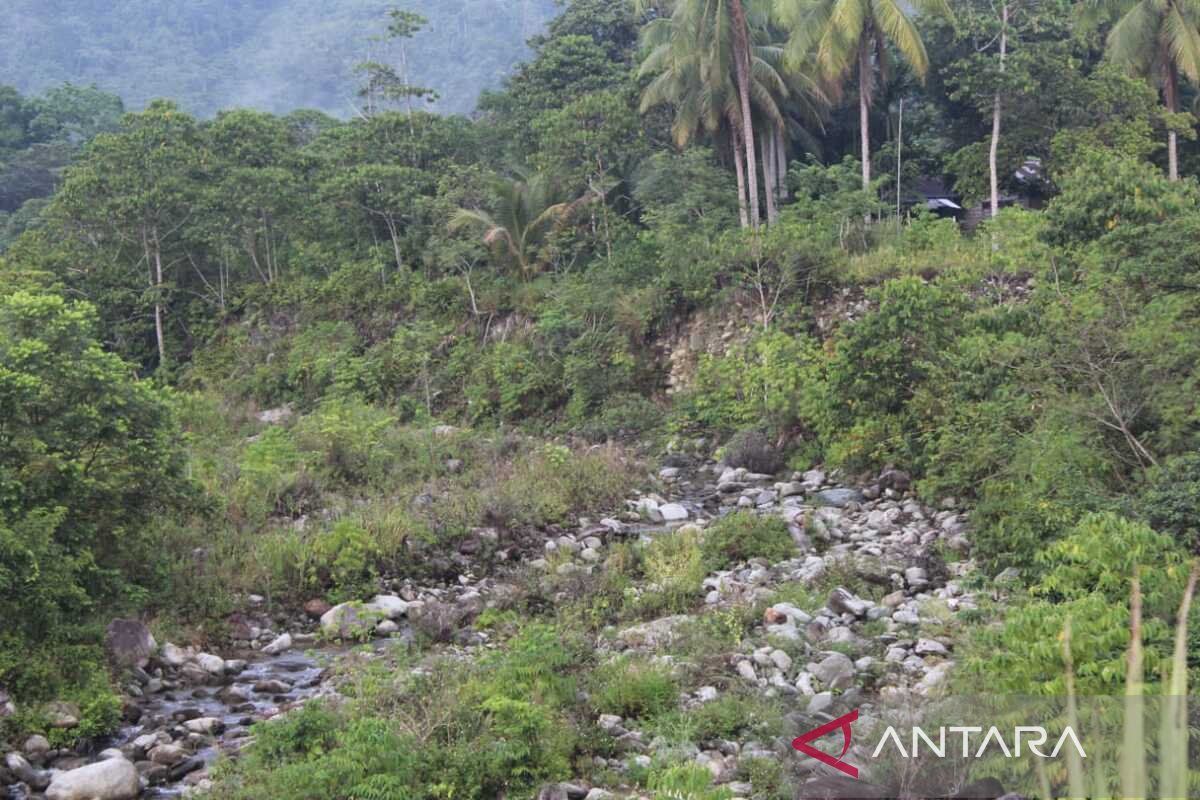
(344, 561)
(270, 478)
(776, 379)
(689, 781)
(636, 688)
(1170, 501)
(1086, 581)
(751, 450)
(744, 535)
(90, 459)
(673, 565)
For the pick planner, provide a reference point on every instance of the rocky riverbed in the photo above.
(187, 707)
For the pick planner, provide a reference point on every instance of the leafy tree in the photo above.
(695, 69)
(130, 198)
(525, 212)
(89, 457)
(1158, 41)
(845, 37)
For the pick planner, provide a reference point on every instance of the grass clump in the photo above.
(633, 687)
(742, 536)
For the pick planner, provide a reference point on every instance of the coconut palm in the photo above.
(716, 36)
(527, 210)
(846, 37)
(1158, 40)
(693, 62)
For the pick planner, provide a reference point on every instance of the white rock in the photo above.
(673, 512)
(746, 670)
(279, 645)
(389, 605)
(174, 655)
(781, 660)
(206, 725)
(213, 665)
(930, 647)
(115, 779)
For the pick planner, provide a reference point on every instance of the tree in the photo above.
(844, 37)
(132, 194)
(89, 457)
(526, 211)
(694, 60)
(1157, 40)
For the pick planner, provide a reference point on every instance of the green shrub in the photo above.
(1086, 580)
(879, 363)
(92, 464)
(673, 565)
(744, 535)
(352, 443)
(685, 782)
(1170, 501)
(344, 561)
(775, 380)
(631, 687)
(271, 479)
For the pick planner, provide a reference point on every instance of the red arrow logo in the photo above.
(843, 722)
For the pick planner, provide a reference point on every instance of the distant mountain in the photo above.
(276, 55)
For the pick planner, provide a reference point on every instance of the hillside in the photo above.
(612, 443)
(274, 55)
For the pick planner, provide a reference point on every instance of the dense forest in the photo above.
(273, 55)
(734, 365)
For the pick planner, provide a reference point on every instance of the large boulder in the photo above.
(349, 620)
(440, 621)
(115, 779)
(129, 643)
(389, 606)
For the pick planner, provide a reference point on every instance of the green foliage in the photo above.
(776, 379)
(634, 688)
(89, 458)
(685, 782)
(673, 565)
(345, 558)
(1170, 501)
(744, 535)
(1085, 582)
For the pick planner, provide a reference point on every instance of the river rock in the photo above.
(654, 633)
(115, 779)
(167, 754)
(673, 512)
(173, 655)
(209, 726)
(62, 715)
(24, 772)
(839, 498)
(348, 621)
(213, 665)
(281, 644)
(836, 671)
(129, 643)
(36, 748)
(841, 601)
(389, 605)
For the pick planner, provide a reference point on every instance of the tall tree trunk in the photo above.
(741, 58)
(864, 111)
(1171, 90)
(781, 165)
(158, 307)
(768, 167)
(994, 150)
(739, 167)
